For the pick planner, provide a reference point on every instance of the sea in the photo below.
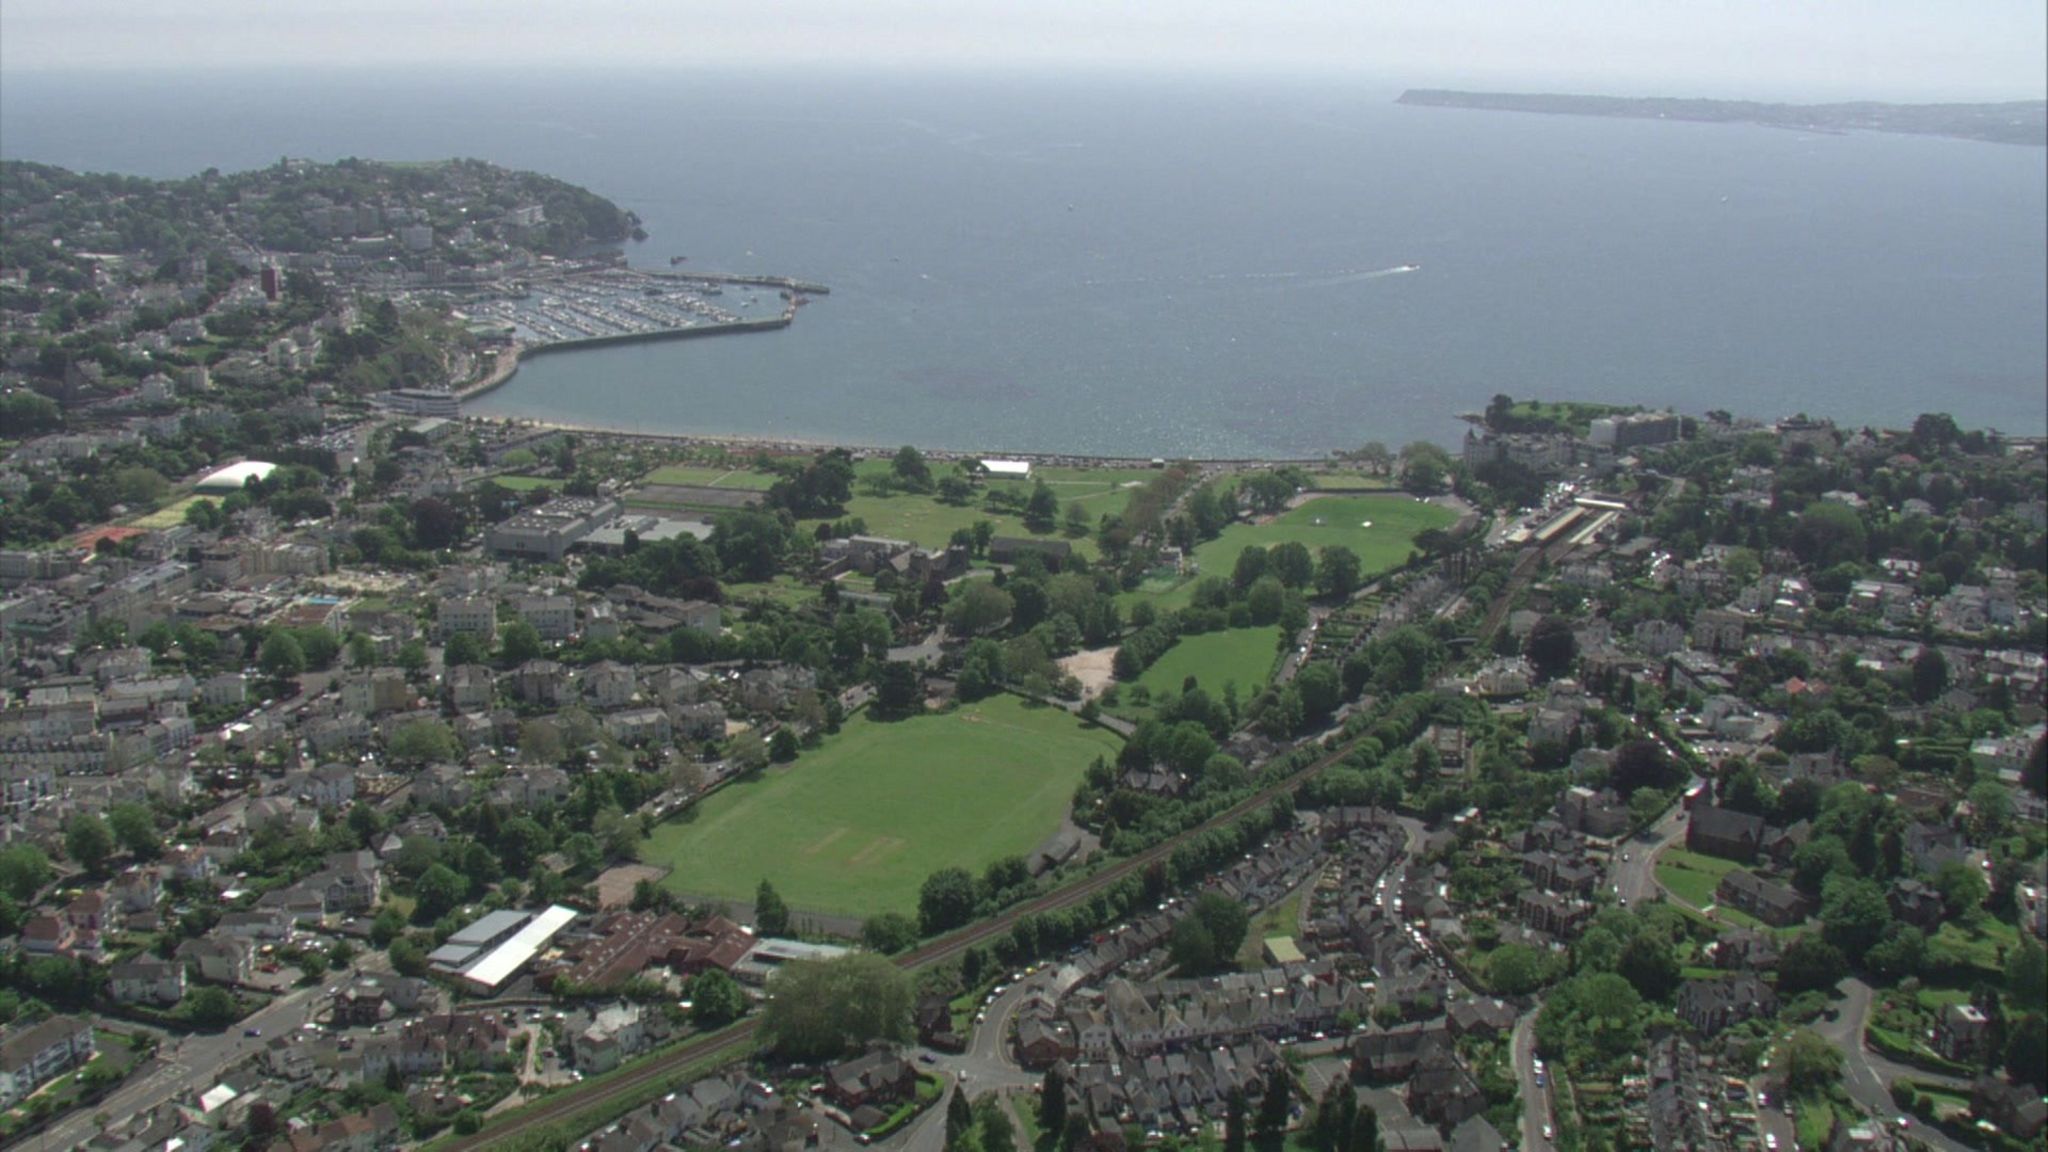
(1186, 266)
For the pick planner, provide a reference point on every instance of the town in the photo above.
(379, 777)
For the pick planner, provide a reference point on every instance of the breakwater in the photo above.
(521, 353)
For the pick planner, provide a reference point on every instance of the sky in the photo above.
(1761, 49)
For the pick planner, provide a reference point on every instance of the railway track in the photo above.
(737, 1040)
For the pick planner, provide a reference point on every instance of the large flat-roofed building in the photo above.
(766, 956)
(467, 945)
(1007, 469)
(425, 402)
(549, 531)
(1633, 429)
(489, 972)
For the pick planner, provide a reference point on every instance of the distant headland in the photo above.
(2019, 122)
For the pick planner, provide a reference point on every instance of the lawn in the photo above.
(855, 826)
(925, 521)
(1279, 920)
(1981, 946)
(1690, 876)
(525, 483)
(705, 476)
(1245, 655)
(1328, 520)
(169, 516)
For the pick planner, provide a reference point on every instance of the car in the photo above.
(252, 1031)
(1771, 1141)
(923, 1058)
(1549, 1133)
(1539, 1079)
(1905, 1122)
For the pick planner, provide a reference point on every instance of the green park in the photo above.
(854, 826)
(1380, 529)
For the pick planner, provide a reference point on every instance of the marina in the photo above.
(599, 302)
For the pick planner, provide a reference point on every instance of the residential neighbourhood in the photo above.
(372, 775)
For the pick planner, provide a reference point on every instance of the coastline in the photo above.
(799, 444)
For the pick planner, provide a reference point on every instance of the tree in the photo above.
(464, 648)
(1292, 563)
(1251, 564)
(1330, 1128)
(1226, 921)
(282, 657)
(1810, 964)
(1321, 691)
(1828, 534)
(438, 890)
(1269, 1132)
(819, 1009)
(135, 830)
(782, 746)
(1643, 764)
(959, 1117)
(946, 901)
(771, 915)
(1192, 949)
(24, 870)
(1338, 572)
(1963, 889)
(1042, 510)
(424, 742)
(1052, 1101)
(1648, 964)
(1990, 810)
(1551, 647)
(1233, 1122)
(2026, 972)
(888, 933)
(1811, 1064)
(715, 999)
(1854, 915)
(2026, 1050)
(88, 841)
(518, 643)
(977, 607)
(1515, 970)
(1930, 675)
(1423, 468)
(898, 691)
(1365, 1130)
(910, 469)
(209, 1007)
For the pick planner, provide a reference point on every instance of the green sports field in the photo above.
(855, 826)
(706, 476)
(1394, 521)
(1245, 655)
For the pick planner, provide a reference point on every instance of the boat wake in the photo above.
(1305, 279)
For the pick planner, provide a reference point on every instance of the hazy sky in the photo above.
(1882, 49)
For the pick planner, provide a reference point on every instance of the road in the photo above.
(193, 1064)
(1867, 1075)
(1536, 1114)
(1635, 879)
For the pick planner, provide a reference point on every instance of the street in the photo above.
(1867, 1075)
(1635, 878)
(1536, 1115)
(193, 1064)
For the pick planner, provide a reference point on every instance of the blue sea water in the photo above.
(1141, 267)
